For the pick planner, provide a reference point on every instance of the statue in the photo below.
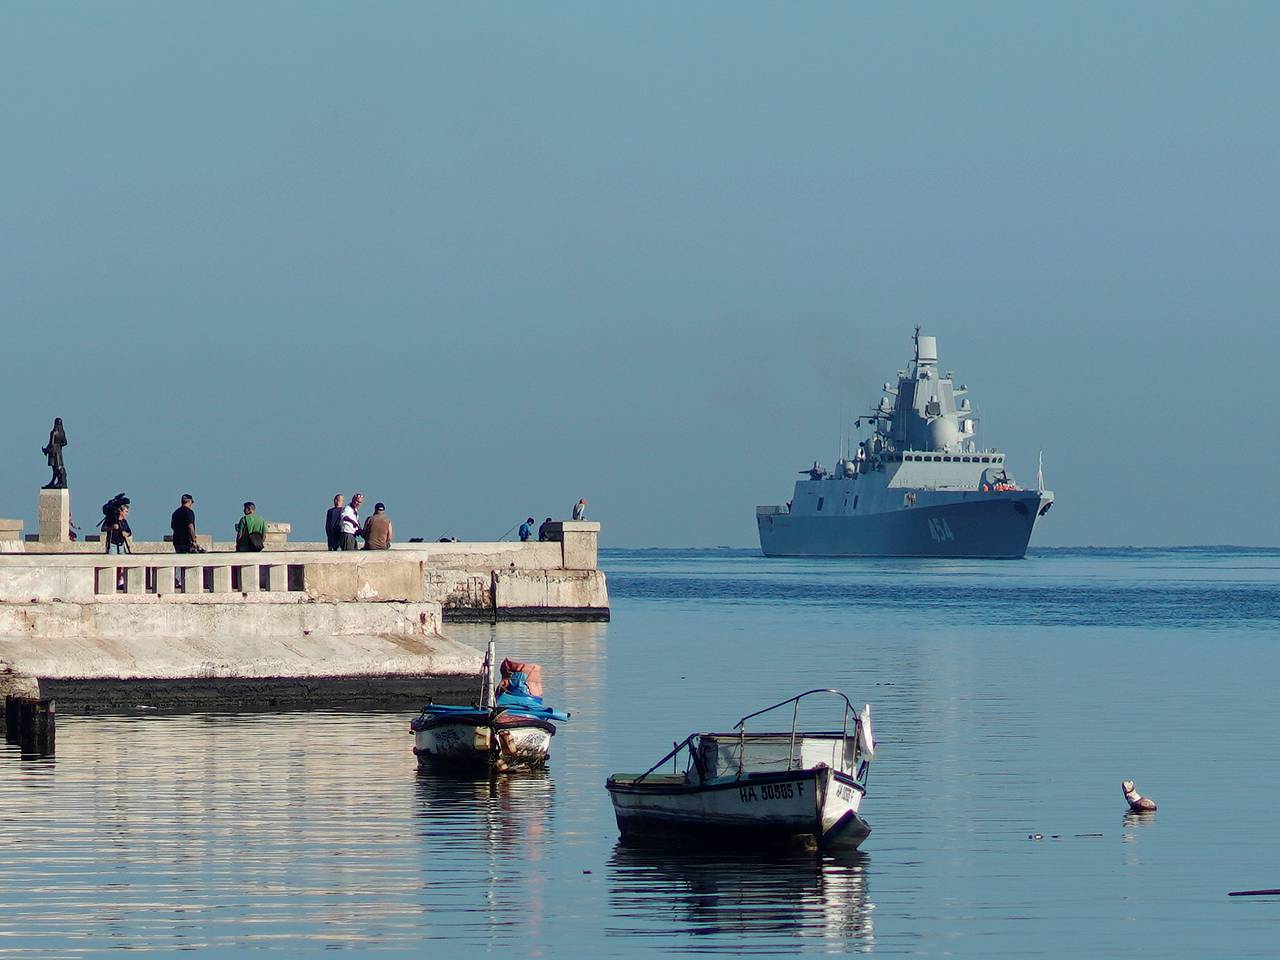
(57, 440)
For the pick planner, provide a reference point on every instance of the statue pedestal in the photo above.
(55, 516)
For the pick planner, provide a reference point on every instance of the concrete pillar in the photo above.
(193, 580)
(222, 579)
(278, 578)
(164, 580)
(104, 580)
(135, 580)
(578, 543)
(277, 533)
(55, 516)
(248, 578)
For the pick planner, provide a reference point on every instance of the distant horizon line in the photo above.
(1088, 546)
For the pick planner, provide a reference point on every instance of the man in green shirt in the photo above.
(251, 530)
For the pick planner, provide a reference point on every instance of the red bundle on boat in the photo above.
(532, 673)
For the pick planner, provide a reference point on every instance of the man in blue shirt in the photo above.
(526, 530)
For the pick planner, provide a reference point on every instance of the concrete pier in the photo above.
(557, 579)
(292, 625)
(102, 631)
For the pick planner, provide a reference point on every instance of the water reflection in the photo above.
(1135, 821)
(741, 902)
(507, 812)
(485, 841)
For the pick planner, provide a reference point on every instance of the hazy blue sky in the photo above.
(479, 261)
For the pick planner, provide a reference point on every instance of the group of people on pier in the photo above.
(526, 528)
(342, 526)
(251, 529)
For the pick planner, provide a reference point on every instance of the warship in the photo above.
(918, 486)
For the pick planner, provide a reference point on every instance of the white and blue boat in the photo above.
(508, 728)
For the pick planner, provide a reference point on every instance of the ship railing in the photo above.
(794, 702)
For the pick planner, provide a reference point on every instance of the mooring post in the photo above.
(10, 719)
(43, 727)
(30, 723)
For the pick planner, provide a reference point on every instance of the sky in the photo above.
(479, 261)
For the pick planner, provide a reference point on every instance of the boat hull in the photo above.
(820, 804)
(996, 527)
(498, 743)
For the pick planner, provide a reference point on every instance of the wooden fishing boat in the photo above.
(740, 786)
(509, 727)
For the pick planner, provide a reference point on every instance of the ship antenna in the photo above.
(1040, 474)
(840, 431)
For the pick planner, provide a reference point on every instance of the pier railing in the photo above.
(210, 574)
(211, 577)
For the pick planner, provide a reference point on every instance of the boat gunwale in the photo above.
(504, 721)
(613, 785)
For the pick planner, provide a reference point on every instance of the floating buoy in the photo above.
(1137, 802)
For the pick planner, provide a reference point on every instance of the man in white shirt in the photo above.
(350, 525)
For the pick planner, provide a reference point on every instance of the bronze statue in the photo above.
(57, 440)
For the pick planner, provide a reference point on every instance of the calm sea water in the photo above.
(1010, 699)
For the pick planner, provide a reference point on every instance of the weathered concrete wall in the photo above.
(539, 595)
(361, 620)
(459, 576)
(285, 648)
(519, 581)
(165, 620)
(366, 577)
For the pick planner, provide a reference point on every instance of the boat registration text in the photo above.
(771, 791)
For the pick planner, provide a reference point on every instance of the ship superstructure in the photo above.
(918, 486)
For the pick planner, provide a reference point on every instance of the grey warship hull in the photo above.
(918, 486)
(989, 529)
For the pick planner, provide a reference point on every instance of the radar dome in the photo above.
(942, 434)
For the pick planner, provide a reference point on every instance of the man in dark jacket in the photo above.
(183, 525)
(333, 523)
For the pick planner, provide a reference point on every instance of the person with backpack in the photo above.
(251, 530)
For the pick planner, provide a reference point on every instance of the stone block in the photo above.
(135, 580)
(104, 580)
(357, 578)
(164, 581)
(192, 579)
(578, 542)
(10, 529)
(222, 579)
(549, 590)
(55, 516)
(277, 533)
(278, 578)
(248, 577)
